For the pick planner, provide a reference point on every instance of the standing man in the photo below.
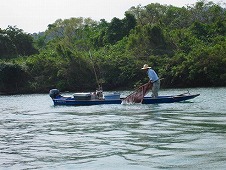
(154, 79)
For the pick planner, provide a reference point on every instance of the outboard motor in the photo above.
(54, 93)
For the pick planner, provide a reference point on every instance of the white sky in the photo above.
(35, 15)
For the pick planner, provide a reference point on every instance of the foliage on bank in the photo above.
(186, 46)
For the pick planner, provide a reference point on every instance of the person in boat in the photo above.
(154, 79)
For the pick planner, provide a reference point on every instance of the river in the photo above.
(34, 134)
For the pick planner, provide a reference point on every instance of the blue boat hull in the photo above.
(168, 99)
(69, 101)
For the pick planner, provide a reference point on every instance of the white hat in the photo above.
(145, 67)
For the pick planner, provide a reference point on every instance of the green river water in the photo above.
(34, 134)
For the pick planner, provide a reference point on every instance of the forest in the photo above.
(186, 46)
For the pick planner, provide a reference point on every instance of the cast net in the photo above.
(138, 95)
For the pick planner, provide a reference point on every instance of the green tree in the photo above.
(13, 77)
(114, 32)
(176, 18)
(22, 42)
(7, 48)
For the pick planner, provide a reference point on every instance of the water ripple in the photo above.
(188, 135)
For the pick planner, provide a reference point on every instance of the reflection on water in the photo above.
(189, 135)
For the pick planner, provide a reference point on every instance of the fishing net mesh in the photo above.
(138, 95)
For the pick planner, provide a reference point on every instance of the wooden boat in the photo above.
(83, 99)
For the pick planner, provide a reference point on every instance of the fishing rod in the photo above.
(97, 80)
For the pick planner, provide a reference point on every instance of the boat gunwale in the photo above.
(147, 100)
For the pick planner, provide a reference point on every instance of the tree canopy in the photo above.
(186, 46)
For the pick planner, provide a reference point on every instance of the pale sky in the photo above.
(35, 15)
